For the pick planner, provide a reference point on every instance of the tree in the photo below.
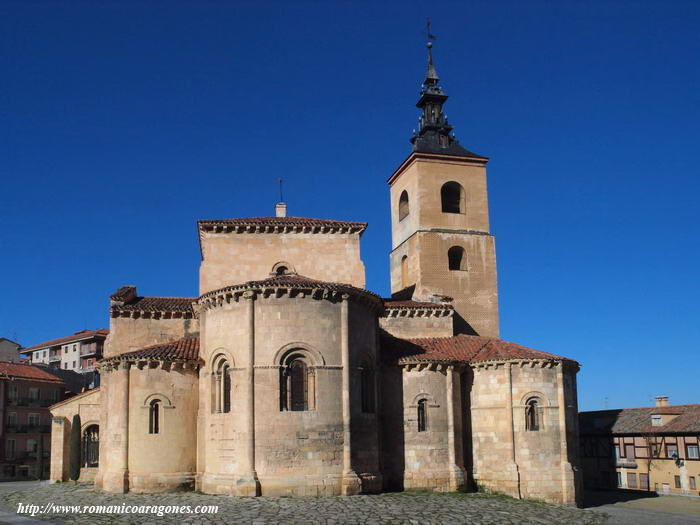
(653, 442)
(74, 448)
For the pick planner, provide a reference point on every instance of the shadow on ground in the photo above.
(597, 498)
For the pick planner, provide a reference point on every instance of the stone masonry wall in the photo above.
(295, 452)
(507, 457)
(128, 334)
(232, 258)
(88, 407)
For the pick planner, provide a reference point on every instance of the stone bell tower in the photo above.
(441, 244)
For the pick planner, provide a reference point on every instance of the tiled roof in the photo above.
(638, 420)
(295, 281)
(81, 395)
(283, 221)
(183, 349)
(157, 304)
(28, 372)
(77, 336)
(460, 348)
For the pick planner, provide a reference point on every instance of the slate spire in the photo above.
(434, 133)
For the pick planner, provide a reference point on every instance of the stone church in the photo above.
(287, 377)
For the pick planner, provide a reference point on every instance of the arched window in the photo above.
(221, 386)
(281, 270)
(91, 446)
(532, 415)
(403, 205)
(154, 410)
(404, 271)
(297, 384)
(367, 388)
(452, 196)
(456, 258)
(422, 415)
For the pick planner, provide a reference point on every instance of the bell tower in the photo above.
(441, 243)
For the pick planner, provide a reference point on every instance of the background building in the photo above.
(78, 352)
(25, 422)
(653, 448)
(9, 350)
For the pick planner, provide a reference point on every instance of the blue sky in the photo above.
(125, 122)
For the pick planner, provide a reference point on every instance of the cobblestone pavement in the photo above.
(412, 507)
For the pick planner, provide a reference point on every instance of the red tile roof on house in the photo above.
(100, 333)
(295, 223)
(186, 349)
(638, 420)
(26, 372)
(460, 348)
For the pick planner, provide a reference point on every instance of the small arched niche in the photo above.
(282, 268)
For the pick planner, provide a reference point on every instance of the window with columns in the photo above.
(532, 415)
(297, 383)
(221, 386)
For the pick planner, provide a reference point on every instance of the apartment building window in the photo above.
(655, 451)
(629, 451)
(617, 452)
(619, 479)
(12, 419)
(671, 450)
(677, 481)
(692, 452)
(33, 420)
(31, 445)
(10, 449)
(693, 485)
(74, 347)
(73, 364)
(65, 365)
(33, 394)
(631, 480)
(12, 393)
(65, 350)
(656, 420)
(644, 481)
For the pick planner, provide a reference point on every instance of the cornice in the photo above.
(317, 291)
(447, 159)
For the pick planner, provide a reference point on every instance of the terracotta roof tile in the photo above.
(283, 221)
(157, 304)
(100, 333)
(638, 420)
(183, 349)
(28, 372)
(462, 348)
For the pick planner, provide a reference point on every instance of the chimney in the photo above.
(661, 401)
(281, 209)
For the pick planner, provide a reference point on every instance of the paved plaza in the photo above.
(411, 507)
